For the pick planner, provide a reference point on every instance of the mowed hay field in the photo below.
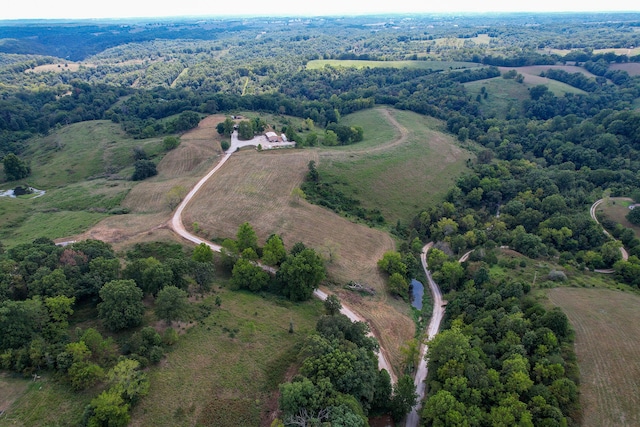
(256, 188)
(402, 176)
(607, 325)
(225, 371)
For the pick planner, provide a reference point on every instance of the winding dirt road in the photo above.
(623, 251)
(178, 228)
(413, 418)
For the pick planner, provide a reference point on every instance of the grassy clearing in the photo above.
(425, 65)
(535, 272)
(607, 336)
(84, 150)
(224, 371)
(41, 403)
(617, 210)
(402, 179)
(502, 95)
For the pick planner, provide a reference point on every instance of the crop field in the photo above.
(434, 65)
(224, 370)
(607, 346)
(399, 178)
(617, 210)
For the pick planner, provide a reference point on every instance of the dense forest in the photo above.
(538, 166)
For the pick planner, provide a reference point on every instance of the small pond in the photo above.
(417, 290)
(33, 193)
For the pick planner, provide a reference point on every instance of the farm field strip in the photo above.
(607, 326)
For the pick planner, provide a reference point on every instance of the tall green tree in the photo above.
(246, 237)
(300, 274)
(15, 168)
(171, 304)
(273, 252)
(121, 306)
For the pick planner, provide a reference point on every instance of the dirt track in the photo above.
(178, 227)
(413, 418)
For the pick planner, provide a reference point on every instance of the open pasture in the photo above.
(606, 323)
(224, 370)
(399, 177)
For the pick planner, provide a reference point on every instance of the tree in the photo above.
(300, 274)
(202, 253)
(391, 262)
(245, 130)
(311, 140)
(171, 304)
(170, 142)
(404, 397)
(128, 381)
(108, 410)
(273, 252)
(398, 285)
(330, 138)
(246, 275)
(246, 237)
(633, 216)
(15, 168)
(121, 306)
(332, 305)
(143, 170)
(175, 196)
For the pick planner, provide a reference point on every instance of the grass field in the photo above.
(502, 95)
(433, 65)
(505, 93)
(398, 179)
(40, 403)
(617, 210)
(224, 371)
(84, 169)
(607, 336)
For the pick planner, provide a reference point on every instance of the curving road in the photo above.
(623, 251)
(178, 227)
(413, 418)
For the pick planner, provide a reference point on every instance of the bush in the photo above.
(557, 276)
(143, 169)
(170, 142)
(225, 145)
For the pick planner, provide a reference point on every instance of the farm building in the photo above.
(272, 137)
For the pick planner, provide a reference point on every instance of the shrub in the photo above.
(557, 276)
(225, 145)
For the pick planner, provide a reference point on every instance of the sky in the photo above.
(81, 9)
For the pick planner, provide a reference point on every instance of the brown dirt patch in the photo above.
(607, 346)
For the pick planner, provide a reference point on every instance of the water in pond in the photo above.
(417, 289)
